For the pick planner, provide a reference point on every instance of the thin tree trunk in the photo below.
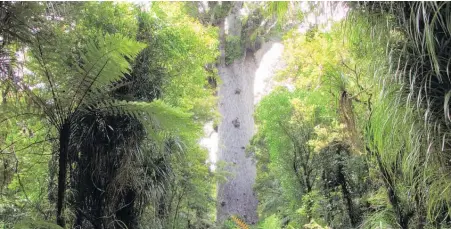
(4, 94)
(179, 200)
(347, 196)
(62, 164)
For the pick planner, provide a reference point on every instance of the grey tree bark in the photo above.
(237, 97)
(236, 105)
(240, 56)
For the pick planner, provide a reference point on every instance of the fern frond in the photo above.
(156, 115)
(240, 223)
(105, 63)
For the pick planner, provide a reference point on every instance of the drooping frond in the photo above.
(105, 63)
(157, 115)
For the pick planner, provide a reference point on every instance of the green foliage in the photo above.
(187, 47)
(107, 18)
(287, 162)
(314, 225)
(221, 10)
(369, 67)
(117, 97)
(35, 224)
(408, 140)
(85, 66)
(233, 49)
(383, 217)
(229, 224)
(271, 222)
(333, 85)
(279, 9)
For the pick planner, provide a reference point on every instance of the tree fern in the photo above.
(104, 62)
(114, 140)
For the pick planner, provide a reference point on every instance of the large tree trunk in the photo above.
(236, 105)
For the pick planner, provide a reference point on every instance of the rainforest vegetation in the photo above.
(104, 107)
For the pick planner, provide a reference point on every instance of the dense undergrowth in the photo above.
(362, 140)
